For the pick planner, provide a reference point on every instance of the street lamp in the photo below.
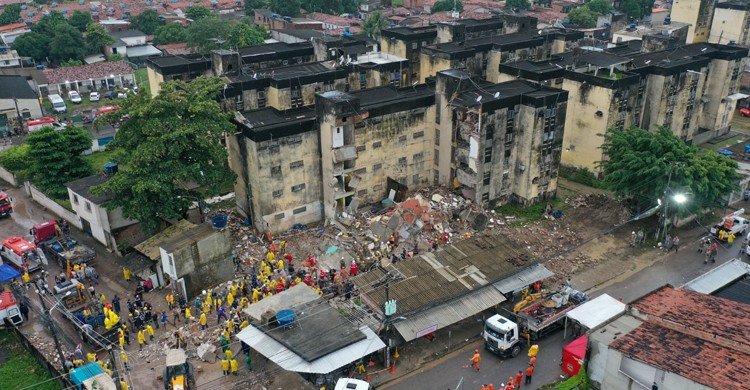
(679, 198)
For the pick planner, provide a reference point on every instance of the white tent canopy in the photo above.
(596, 312)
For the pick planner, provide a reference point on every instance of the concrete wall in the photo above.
(51, 205)
(724, 80)
(94, 214)
(699, 13)
(584, 129)
(30, 106)
(665, 93)
(429, 65)
(154, 80)
(730, 25)
(211, 266)
(8, 176)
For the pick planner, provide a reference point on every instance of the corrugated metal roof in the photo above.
(290, 361)
(448, 313)
(718, 277)
(523, 278)
(597, 311)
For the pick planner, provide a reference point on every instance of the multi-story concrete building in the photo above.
(498, 142)
(481, 56)
(731, 23)
(698, 13)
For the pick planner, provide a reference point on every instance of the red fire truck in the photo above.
(22, 254)
(5, 207)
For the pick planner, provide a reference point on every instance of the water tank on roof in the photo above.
(285, 318)
(110, 168)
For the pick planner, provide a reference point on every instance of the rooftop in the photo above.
(83, 72)
(266, 123)
(382, 96)
(742, 5)
(498, 94)
(12, 86)
(722, 321)
(271, 48)
(654, 29)
(303, 34)
(127, 34)
(188, 237)
(12, 27)
(150, 247)
(457, 269)
(330, 329)
(701, 361)
(83, 186)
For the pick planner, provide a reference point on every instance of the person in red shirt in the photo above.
(519, 377)
(529, 373)
(532, 361)
(475, 360)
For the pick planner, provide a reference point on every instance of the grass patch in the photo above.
(141, 80)
(98, 159)
(21, 370)
(528, 214)
(582, 176)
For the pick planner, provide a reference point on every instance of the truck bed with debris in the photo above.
(546, 314)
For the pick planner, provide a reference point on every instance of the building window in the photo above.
(486, 197)
(486, 178)
(361, 192)
(298, 187)
(402, 161)
(296, 164)
(276, 170)
(418, 156)
(361, 148)
(437, 137)
(360, 171)
(278, 193)
(488, 154)
(418, 134)
(415, 179)
(75, 198)
(377, 167)
(402, 138)
(88, 206)
(279, 216)
(300, 210)
(377, 144)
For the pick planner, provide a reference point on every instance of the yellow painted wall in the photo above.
(154, 81)
(581, 141)
(730, 25)
(430, 65)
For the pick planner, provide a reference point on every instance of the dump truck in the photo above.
(505, 337)
(79, 306)
(178, 373)
(22, 254)
(56, 246)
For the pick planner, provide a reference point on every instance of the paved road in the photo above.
(448, 372)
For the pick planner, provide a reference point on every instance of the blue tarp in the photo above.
(83, 373)
(8, 273)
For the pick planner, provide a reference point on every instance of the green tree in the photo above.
(48, 23)
(208, 34)
(70, 63)
(15, 160)
(375, 24)
(97, 37)
(397, 3)
(636, 9)
(583, 17)
(80, 20)
(285, 7)
(68, 43)
(518, 4)
(198, 12)
(54, 158)
(252, 5)
(447, 5)
(242, 34)
(638, 164)
(168, 141)
(11, 14)
(32, 44)
(170, 33)
(147, 21)
(600, 7)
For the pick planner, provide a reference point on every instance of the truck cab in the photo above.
(732, 223)
(5, 206)
(501, 336)
(23, 254)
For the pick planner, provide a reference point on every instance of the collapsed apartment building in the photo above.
(325, 124)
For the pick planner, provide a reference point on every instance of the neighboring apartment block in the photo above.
(698, 13)
(731, 23)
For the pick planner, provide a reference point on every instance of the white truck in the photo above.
(58, 104)
(732, 223)
(501, 336)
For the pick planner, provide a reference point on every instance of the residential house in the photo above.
(150, 249)
(10, 58)
(102, 76)
(131, 44)
(17, 99)
(665, 340)
(9, 32)
(108, 226)
(197, 258)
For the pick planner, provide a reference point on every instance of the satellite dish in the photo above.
(479, 98)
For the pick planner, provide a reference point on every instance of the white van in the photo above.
(352, 384)
(58, 104)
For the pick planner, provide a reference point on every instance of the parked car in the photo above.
(94, 97)
(745, 112)
(74, 97)
(122, 95)
(110, 95)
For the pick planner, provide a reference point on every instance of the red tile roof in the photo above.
(84, 72)
(719, 320)
(690, 357)
(12, 26)
(333, 19)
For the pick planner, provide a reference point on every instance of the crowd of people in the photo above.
(514, 381)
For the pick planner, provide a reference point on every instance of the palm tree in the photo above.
(374, 24)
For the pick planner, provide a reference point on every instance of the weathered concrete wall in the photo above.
(430, 65)
(8, 176)
(730, 25)
(698, 13)
(593, 106)
(667, 100)
(154, 81)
